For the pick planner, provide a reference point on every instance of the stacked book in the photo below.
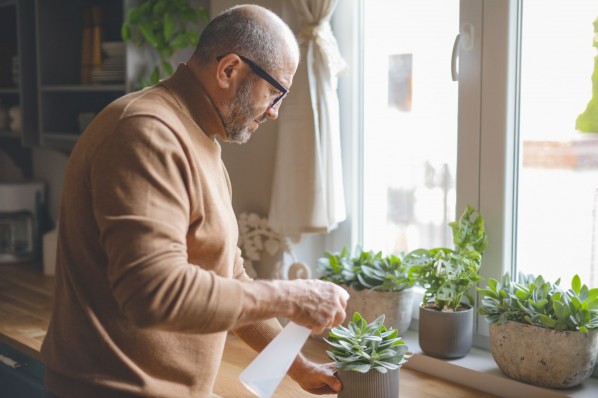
(113, 64)
(15, 70)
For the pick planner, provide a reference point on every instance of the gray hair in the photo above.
(241, 31)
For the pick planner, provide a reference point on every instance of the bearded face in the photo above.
(240, 113)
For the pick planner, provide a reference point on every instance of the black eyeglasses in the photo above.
(264, 75)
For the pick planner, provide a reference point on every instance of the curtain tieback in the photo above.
(321, 34)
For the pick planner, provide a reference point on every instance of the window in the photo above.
(524, 78)
(410, 124)
(557, 184)
(523, 81)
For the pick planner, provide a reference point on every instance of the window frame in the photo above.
(486, 143)
(498, 137)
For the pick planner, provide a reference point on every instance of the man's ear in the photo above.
(227, 70)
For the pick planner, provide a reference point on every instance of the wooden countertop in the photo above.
(26, 297)
(26, 304)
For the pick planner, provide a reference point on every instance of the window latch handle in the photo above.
(454, 58)
(464, 40)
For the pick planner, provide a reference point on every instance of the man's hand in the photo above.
(312, 303)
(317, 305)
(315, 378)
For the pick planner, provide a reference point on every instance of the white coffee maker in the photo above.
(21, 204)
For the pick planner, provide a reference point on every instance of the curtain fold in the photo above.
(307, 191)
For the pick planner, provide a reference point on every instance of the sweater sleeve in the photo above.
(139, 180)
(239, 268)
(257, 335)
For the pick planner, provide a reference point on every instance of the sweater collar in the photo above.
(195, 101)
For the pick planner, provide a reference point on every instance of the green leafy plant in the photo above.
(448, 275)
(167, 26)
(587, 121)
(362, 346)
(535, 301)
(365, 270)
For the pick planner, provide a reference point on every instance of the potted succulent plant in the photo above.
(540, 333)
(376, 284)
(448, 275)
(368, 358)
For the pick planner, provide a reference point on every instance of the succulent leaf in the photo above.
(363, 346)
(533, 300)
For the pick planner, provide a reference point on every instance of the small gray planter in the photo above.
(397, 307)
(372, 384)
(541, 356)
(447, 335)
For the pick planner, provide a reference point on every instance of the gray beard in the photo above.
(240, 115)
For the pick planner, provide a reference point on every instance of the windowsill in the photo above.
(478, 370)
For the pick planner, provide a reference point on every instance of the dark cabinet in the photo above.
(66, 98)
(20, 375)
(42, 43)
(18, 83)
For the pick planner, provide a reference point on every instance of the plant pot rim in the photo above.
(463, 308)
(525, 324)
(371, 370)
(375, 290)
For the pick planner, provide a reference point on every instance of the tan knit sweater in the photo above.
(148, 271)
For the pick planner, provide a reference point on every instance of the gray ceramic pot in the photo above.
(447, 335)
(543, 357)
(372, 384)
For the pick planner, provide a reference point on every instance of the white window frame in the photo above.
(486, 143)
(498, 138)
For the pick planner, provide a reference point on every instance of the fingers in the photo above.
(344, 295)
(320, 379)
(323, 390)
(342, 300)
(318, 305)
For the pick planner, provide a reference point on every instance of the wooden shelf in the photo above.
(9, 134)
(9, 90)
(78, 88)
(63, 142)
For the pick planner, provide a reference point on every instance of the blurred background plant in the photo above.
(167, 26)
(365, 270)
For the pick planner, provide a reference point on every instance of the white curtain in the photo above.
(307, 192)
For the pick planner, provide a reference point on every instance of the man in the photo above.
(149, 278)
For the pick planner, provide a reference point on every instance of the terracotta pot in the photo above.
(446, 335)
(397, 307)
(543, 357)
(372, 384)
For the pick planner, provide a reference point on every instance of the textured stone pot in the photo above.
(446, 335)
(397, 307)
(543, 357)
(372, 384)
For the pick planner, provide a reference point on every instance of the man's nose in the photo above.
(272, 112)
